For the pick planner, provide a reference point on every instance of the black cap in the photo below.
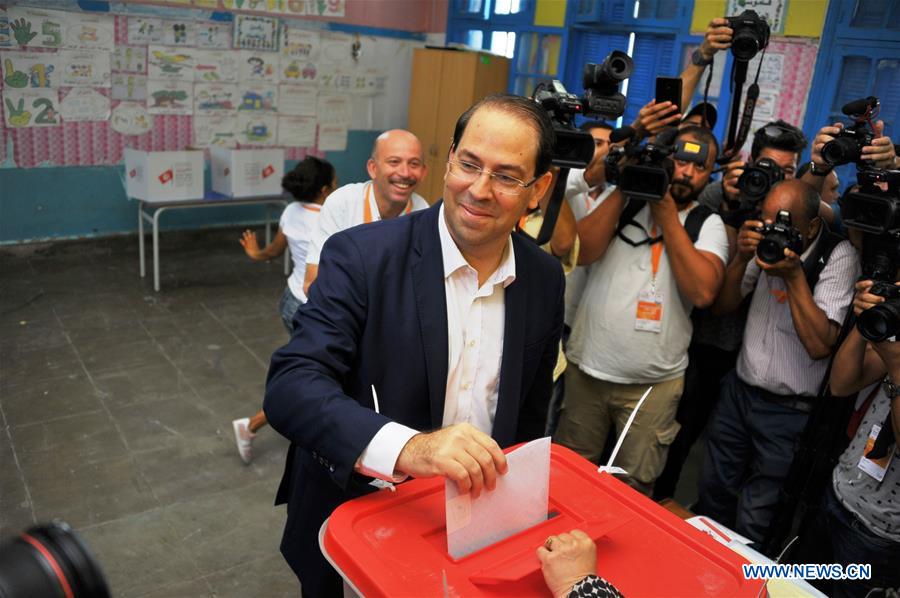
(711, 115)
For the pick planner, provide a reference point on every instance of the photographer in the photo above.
(632, 327)
(797, 305)
(880, 154)
(861, 511)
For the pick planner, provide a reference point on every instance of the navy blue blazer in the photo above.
(377, 315)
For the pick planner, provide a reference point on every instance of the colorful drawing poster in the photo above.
(332, 138)
(84, 104)
(273, 6)
(328, 8)
(258, 67)
(130, 59)
(126, 86)
(30, 69)
(252, 32)
(258, 98)
(131, 118)
(6, 39)
(170, 63)
(369, 82)
(300, 44)
(336, 49)
(170, 97)
(214, 35)
(297, 8)
(219, 130)
(212, 66)
(297, 100)
(84, 69)
(257, 129)
(144, 31)
(35, 28)
(214, 4)
(296, 131)
(215, 98)
(24, 108)
(179, 33)
(83, 32)
(334, 110)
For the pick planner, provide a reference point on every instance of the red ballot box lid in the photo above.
(395, 543)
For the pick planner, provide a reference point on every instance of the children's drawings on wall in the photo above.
(334, 109)
(211, 66)
(95, 33)
(257, 129)
(84, 69)
(300, 44)
(258, 98)
(215, 98)
(332, 138)
(297, 100)
(297, 70)
(170, 63)
(297, 131)
(179, 33)
(130, 87)
(84, 104)
(35, 28)
(253, 32)
(6, 39)
(130, 59)
(30, 108)
(258, 66)
(131, 118)
(218, 130)
(214, 35)
(144, 31)
(170, 97)
(29, 69)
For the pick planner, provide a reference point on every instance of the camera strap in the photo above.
(743, 130)
(692, 224)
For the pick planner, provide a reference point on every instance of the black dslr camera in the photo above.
(751, 35)
(574, 148)
(757, 179)
(777, 237)
(847, 146)
(881, 322)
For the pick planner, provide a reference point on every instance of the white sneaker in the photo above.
(244, 438)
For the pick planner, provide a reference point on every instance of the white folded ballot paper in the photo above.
(519, 501)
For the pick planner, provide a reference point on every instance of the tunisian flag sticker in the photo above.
(165, 176)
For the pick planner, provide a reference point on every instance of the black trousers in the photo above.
(706, 368)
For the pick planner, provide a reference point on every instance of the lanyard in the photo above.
(314, 207)
(367, 208)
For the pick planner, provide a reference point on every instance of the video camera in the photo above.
(847, 146)
(648, 168)
(751, 35)
(777, 237)
(574, 148)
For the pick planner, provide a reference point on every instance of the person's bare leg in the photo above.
(257, 421)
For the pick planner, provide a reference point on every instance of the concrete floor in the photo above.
(116, 406)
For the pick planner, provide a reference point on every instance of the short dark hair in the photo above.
(700, 134)
(306, 180)
(790, 140)
(595, 124)
(526, 109)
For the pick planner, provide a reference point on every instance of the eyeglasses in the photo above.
(500, 183)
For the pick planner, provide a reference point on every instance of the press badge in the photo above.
(649, 311)
(876, 467)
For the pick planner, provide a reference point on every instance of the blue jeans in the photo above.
(749, 450)
(852, 542)
(288, 307)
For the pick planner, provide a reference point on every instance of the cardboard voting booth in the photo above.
(246, 172)
(163, 176)
(395, 543)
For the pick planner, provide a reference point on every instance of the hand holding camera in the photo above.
(654, 117)
(864, 298)
(825, 135)
(880, 151)
(748, 239)
(877, 308)
(717, 37)
(733, 172)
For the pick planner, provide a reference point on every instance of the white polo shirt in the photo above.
(604, 342)
(346, 207)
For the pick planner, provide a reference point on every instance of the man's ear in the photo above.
(540, 188)
(814, 226)
(370, 168)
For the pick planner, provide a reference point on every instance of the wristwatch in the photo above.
(890, 389)
(697, 58)
(818, 171)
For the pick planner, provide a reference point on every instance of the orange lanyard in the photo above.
(312, 207)
(656, 250)
(367, 208)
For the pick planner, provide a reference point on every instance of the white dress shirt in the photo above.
(476, 317)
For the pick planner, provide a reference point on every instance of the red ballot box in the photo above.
(395, 543)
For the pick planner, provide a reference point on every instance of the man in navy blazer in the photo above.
(451, 318)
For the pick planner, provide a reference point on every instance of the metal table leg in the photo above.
(156, 248)
(141, 236)
(268, 225)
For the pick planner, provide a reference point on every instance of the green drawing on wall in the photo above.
(22, 31)
(13, 77)
(17, 116)
(47, 114)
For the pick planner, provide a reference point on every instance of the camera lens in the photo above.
(49, 561)
(771, 249)
(842, 150)
(880, 322)
(754, 183)
(744, 45)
